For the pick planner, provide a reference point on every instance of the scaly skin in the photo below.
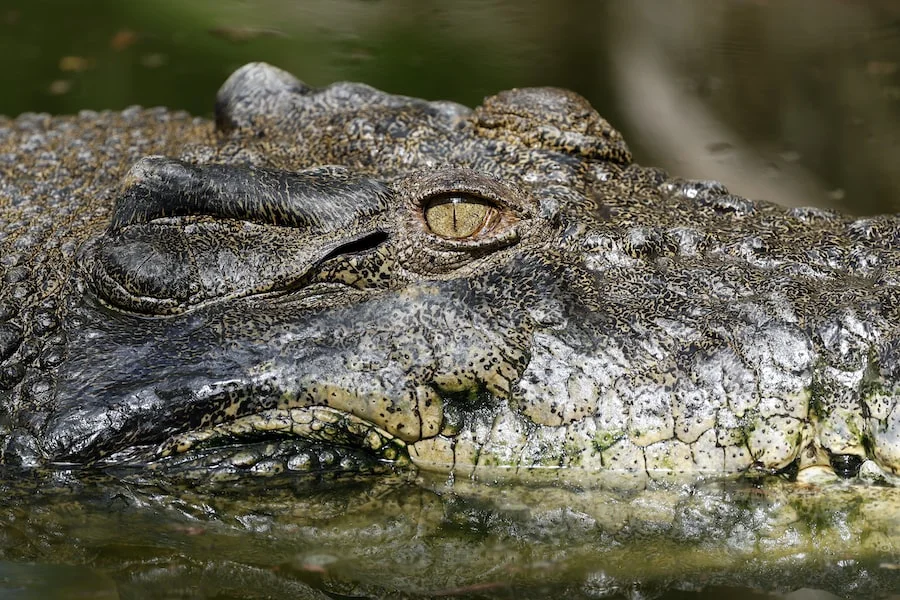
(602, 318)
(346, 282)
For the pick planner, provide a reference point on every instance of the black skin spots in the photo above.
(846, 465)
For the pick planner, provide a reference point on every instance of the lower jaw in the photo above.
(325, 442)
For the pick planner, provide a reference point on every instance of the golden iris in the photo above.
(458, 217)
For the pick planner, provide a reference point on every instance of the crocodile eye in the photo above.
(460, 216)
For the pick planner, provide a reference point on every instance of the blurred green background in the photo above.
(795, 101)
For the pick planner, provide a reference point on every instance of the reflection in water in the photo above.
(336, 535)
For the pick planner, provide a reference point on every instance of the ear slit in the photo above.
(360, 245)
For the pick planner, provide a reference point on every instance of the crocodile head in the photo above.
(344, 278)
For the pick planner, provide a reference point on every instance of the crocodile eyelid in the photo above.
(465, 190)
(423, 187)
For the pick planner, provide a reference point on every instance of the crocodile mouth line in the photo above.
(319, 425)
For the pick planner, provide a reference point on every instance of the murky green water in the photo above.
(115, 535)
(794, 101)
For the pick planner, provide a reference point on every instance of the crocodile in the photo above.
(489, 292)
(497, 306)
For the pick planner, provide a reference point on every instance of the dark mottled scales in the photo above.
(295, 270)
